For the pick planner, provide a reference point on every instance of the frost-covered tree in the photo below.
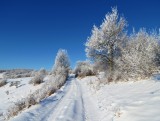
(104, 42)
(84, 68)
(123, 57)
(100, 66)
(139, 58)
(62, 63)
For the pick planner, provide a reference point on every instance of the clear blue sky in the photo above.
(32, 31)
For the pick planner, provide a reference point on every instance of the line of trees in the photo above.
(125, 57)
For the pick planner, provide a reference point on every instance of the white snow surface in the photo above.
(83, 100)
(1, 75)
(15, 94)
(128, 101)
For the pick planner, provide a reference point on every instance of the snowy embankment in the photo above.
(126, 101)
(11, 93)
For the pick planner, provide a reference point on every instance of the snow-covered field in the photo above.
(1, 75)
(10, 94)
(83, 100)
(127, 101)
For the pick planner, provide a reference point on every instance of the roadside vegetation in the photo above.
(54, 82)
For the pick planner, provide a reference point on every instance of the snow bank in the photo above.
(127, 101)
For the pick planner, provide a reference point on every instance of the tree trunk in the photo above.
(111, 61)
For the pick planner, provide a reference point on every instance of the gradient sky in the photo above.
(32, 31)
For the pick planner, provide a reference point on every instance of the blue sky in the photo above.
(32, 31)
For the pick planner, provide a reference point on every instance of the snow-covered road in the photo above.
(71, 106)
(67, 104)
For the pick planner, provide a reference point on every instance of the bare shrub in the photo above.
(18, 106)
(15, 109)
(15, 83)
(30, 100)
(3, 82)
(51, 91)
(38, 79)
(84, 68)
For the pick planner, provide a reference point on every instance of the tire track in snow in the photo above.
(82, 100)
(72, 106)
(66, 105)
(92, 112)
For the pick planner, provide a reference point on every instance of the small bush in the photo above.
(15, 83)
(3, 82)
(51, 91)
(30, 100)
(84, 68)
(38, 79)
(39, 76)
(15, 109)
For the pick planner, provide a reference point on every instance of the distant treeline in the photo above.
(19, 70)
(1, 71)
